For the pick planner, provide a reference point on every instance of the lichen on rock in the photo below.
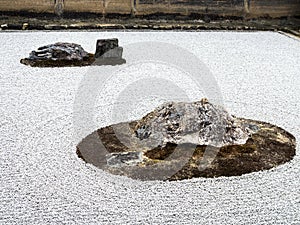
(200, 123)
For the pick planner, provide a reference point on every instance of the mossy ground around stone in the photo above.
(269, 147)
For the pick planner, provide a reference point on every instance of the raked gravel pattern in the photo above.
(42, 181)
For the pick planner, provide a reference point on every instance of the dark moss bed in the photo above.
(267, 148)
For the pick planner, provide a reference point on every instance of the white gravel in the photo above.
(43, 182)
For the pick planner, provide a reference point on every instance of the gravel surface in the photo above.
(44, 182)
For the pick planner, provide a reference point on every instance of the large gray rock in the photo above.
(200, 123)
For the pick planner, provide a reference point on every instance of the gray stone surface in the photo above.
(113, 53)
(108, 52)
(199, 123)
(44, 182)
(105, 45)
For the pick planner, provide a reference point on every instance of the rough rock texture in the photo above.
(59, 54)
(199, 123)
(184, 140)
(69, 54)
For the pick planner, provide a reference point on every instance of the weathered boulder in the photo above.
(58, 55)
(184, 140)
(200, 123)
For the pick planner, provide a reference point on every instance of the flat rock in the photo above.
(185, 140)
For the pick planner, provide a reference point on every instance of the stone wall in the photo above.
(27, 5)
(186, 7)
(251, 8)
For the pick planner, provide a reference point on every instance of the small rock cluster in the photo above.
(70, 54)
